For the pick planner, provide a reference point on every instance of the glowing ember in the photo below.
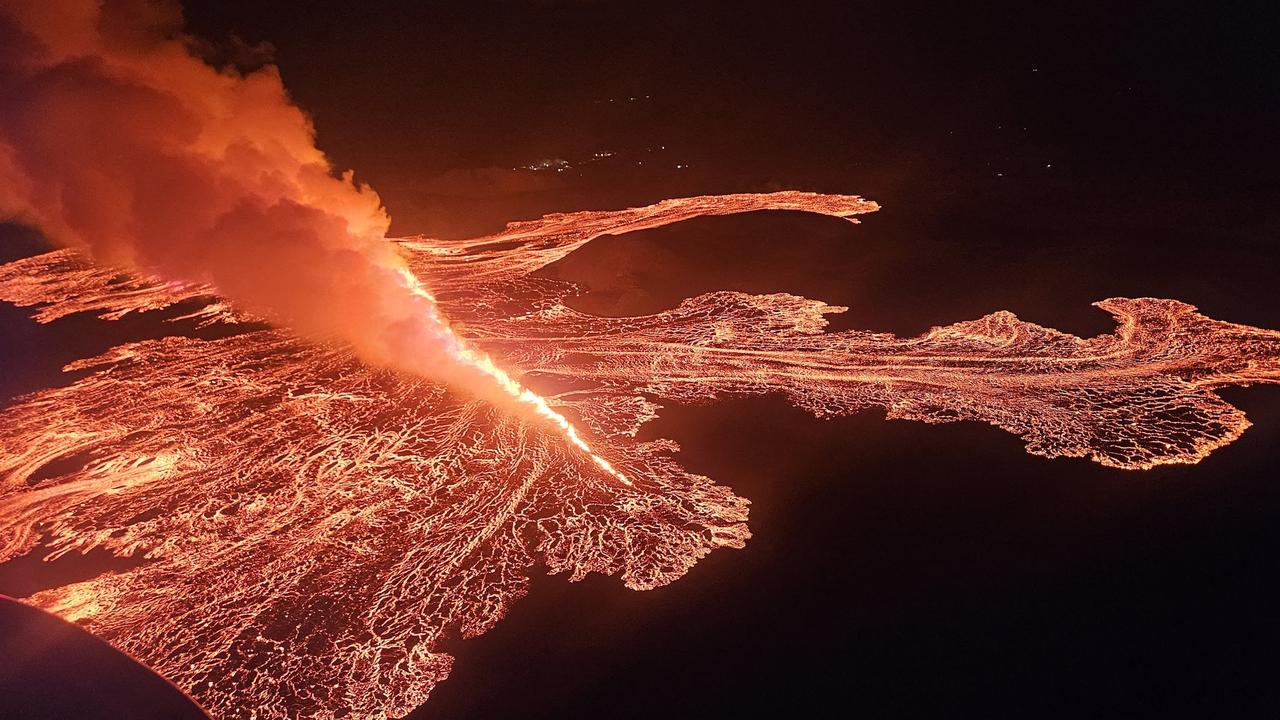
(314, 526)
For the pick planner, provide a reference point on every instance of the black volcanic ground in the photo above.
(1032, 157)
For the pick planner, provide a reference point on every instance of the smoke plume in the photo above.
(117, 140)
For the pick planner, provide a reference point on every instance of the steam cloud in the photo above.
(117, 140)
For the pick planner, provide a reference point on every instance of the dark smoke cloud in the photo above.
(118, 140)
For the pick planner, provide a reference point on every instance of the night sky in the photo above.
(1033, 157)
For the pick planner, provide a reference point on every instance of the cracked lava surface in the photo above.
(314, 527)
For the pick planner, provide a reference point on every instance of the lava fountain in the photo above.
(483, 364)
(311, 527)
(115, 139)
(313, 504)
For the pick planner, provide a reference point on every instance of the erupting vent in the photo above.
(314, 525)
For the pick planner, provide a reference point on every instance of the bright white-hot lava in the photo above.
(117, 140)
(315, 527)
(313, 508)
(459, 350)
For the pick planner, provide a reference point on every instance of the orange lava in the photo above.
(523, 396)
(314, 527)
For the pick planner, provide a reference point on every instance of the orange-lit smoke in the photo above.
(117, 140)
(315, 532)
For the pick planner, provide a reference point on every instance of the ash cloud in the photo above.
(117, 139)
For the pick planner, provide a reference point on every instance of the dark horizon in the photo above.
(1035, 159)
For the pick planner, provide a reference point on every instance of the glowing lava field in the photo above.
(313, 527)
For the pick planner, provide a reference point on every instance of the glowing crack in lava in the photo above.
(313, 526)
(195, 173)
(522, 395)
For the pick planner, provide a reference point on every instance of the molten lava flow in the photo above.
(118, 140)
(539, 405)
(483, 364)
(314, 527)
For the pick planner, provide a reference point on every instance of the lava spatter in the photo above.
(314, 526)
